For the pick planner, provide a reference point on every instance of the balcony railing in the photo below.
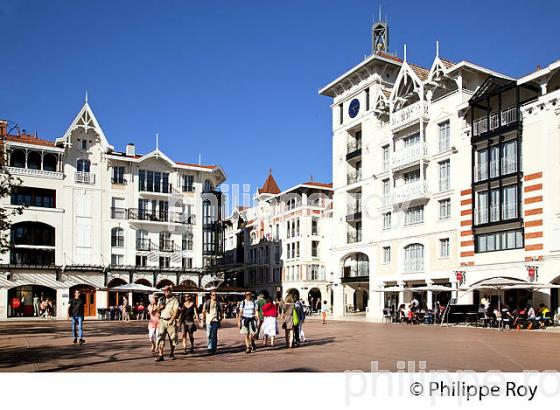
(148, 215)
(497, 119)
(119, 213)
(166, 245)
(410, 191)
(408, 114)
(35, 172)
(144, 244)
(354, 176)
(186, 219)
(409, 155)
(354, 212)
(156, 189)
(85, 177)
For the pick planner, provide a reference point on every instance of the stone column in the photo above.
(338, 301)
(401, 294)
(62, 298)
(429, 296)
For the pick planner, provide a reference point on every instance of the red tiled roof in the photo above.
(319, 184)
(29, 139)
(421, 72)
(447, 63)
(270, 186)
(388, 56)
(196, 165)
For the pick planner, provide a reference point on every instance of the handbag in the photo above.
(295, 316)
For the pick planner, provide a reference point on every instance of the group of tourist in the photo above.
(256, 319)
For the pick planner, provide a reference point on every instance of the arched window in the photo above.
(83, 165)
(49, 162)
(117, 237)
(32, 233)
(17, 158)
(356, 265)
(414, 258)
(33, 160)
(208, 186)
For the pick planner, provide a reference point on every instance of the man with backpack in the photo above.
(248, 321)
(298, 310)
(212, 315)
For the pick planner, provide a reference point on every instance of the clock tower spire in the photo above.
(380, 35)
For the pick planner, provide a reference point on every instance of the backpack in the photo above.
(295, 316)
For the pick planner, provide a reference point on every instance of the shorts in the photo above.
(152, 334)
(248, 326)
(166, 328)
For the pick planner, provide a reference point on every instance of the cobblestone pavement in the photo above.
(124, 347)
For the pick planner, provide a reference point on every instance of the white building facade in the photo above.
(95, 218)
(405, 165)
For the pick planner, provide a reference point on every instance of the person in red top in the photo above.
(270, 324)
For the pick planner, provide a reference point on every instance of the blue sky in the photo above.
(236, 81)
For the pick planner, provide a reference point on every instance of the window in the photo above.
(288, 229)
(32, 233)
(414, 215)
(297, 227)
(141, 260)
(187, 263)
(411, 177)
(297, 249)
(385, 157)
(445, 209)
(444, 136)
(142, 241)
(118, 175)
(414, 258)
(367, 99)
(499, 241)
(164, 262)
(151, 181)
(411, 140)
(208, 186)
(387, 254)
(187, 241)
(481, 168)
(27, 196)
(509, 157)
(208, 212)
(84, 144)
(83, 165)
(314, 226)
(444, 248)
(340, 113)
(117, 260)
(117, 237)
(494, 161)
(315, 249)
(444, 175)
(509, 202)
(386, 188)
(387, 220)
(165, 242)
(188, 183)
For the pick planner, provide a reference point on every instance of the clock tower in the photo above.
(380, 36)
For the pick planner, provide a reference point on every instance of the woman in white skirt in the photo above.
(270, 323)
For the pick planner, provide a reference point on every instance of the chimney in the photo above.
(130, 150)
(3, 128)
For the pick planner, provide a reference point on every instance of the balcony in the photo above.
(185, 219)
(409, 155)
(148, 215)
(408, 115)
(144, 244)
(409, 192)
(85, 177)
(354, 150)
(354, 212)
(161, 189)
(354, 176)
(35, 172)
(497, 119)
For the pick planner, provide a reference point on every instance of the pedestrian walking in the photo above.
(288, 321)
(168, 307)
(153, 322)
(212, 316)
(76, 314)
(270, 322)
(300, 308)
(188, 320)
(260, 303)
(297, 319)
(248, 321)
(324, 310)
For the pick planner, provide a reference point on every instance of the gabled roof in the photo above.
(85, 119)
(492, 85)
(270, 186)
(318, 184)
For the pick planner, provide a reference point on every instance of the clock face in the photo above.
(354, 108)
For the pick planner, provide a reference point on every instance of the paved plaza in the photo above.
(36, 346)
